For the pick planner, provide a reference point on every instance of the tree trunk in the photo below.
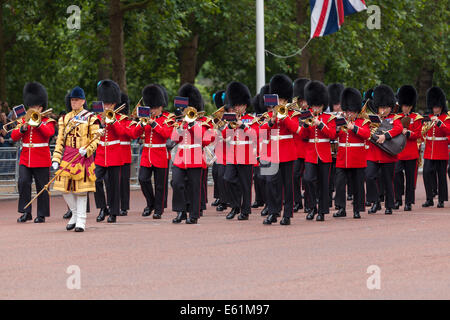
(117, 44)
(188, 59)
(317, 68)
(305, 56)
(2, 57)
(424, 82)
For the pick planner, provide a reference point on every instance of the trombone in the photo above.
(189, 114)
(110, 115)
(33, 118)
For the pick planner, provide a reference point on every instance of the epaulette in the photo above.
(331, 116)
(418, 117)
(169, 115)
(366, 121)
(132, 123)
(397, 116)
(123, 117)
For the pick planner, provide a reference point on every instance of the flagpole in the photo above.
(260, 58)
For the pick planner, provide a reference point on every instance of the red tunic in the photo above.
(411, 150)
(127, 136)
(436, 140)
(35, 149)
(109, 151)
(375, 154)
(351, 146)
(319, 137)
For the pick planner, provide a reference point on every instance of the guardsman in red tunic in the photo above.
(35, 158)
(408, 159)
(351, 154)
(436, 133)
(204, 191)
(318, 153)
(155, 157)
(189, 161)
(108, 158)
(377, 159)
(241, 151)
(280, 153)
(300, 145)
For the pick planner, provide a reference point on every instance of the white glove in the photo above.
(55, 165)
(82, 152)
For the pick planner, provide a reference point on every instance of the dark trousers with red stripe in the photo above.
(405, 171)
(260, 186)
(111, 177)
(279, 187)
(155, 199)
(214, 172)
(187, 185)
(316, 179)
(433, 169)
(125, 171)
(350, 177)
(299, 169)
(239, 178)
(332, 178)
(387, 177)
(204, 191)
(41, 177)
(222, 185)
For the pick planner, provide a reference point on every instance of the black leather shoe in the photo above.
(112, 219)
(272, 218)
(39, 220)
(216, 203)
(368, 204)
(341, 213)
(257, 204)
(375, 207)
(265, 211)
(428, 203)
(123, 213)
(147, 212)
(102, 215)
(311, 214)
(285, 221)
(388, 211)
(70, 227)
(78, 229)
(397, 205)
(157, 216)
(181, 215)
(25, 217)
(298, 206)
(221, 207)
(191, 221)
(356, 215)
(408, 207)
(350, 197)
(320, 217)
(68, 214)
(440, 204)
(243, 216)
(232, 213)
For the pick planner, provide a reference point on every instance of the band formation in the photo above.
(304, 146)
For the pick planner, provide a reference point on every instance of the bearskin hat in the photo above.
(124, 100)
(281, 85)
(316, 94)
(195, 97)
(153, 96)
(351, 100)
(436, 98)
(35, 94)
(299, 88)
(334, 94)
(383, 96)
(108, 91)
(218, 98)
(166, 96)
(238, 94)
(407, 96)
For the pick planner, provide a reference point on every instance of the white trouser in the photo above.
(77, 203)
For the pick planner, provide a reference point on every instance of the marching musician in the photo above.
(408, 159)
(241, 156)
(108, 157)
(378, 159)
(76, 129)
(155, 157)
(436, 156)
(318, 153)
(351, 161)
(280, 153)
(35, 156)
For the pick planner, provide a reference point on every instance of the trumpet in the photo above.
(110, 115)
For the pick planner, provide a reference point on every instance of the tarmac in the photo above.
(401, 256)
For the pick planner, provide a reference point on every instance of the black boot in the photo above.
(102, 215)
(368, 204)
(68, 214)
(25, 217)
(70, 227)
(272, 218)
(216, 203)
(112, 219)
(428, 203)
(356, 215)
(257, 204)
(243, 216)
(123, 213)
(285, 221)
(440, 204)
(375, 207)
(349, 197)
(265, 211)
(39, 220)
(191, 221)
(147, 212)
(232, 213)
(320, 217)
(408, 207)
(157, 216)
(298, 206)
(311, 214)
(340, 213)
(397, 204)
(78, 229)
(221, 207)
(181, 215)
(388, 211)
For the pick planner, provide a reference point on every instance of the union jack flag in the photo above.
(327, 16)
